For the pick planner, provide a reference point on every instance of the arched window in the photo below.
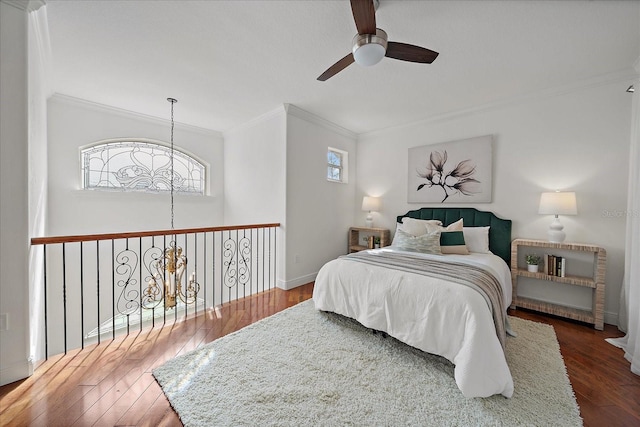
(139, 165)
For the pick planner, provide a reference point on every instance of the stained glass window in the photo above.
(141, 166)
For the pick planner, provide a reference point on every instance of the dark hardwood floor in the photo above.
(607, 392)
(111, 384)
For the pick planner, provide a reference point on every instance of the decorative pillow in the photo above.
(454, 226)
(414, 227)
(418, 227)
(477, 239)
(452, 242)
(427, 243)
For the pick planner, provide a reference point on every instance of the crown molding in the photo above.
(18, 4)
(291, 109)
(621, 76)
(26, 5)
(83, 103)
(256, 120)
(34, 5)
(312, 118)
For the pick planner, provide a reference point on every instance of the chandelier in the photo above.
(167, 270)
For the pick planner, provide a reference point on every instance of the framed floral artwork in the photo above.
(451, 172)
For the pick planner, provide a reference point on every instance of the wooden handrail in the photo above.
(110, 236)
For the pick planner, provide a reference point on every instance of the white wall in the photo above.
(570, 141)
(39, 91)
(255, 176)
(14, 215)
(319, 212)
(276, 172)
(75, 123)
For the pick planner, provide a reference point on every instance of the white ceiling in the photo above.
(228, 62)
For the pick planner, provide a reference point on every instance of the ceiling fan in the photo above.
(370, 45)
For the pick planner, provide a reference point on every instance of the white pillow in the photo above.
(418, 227)
(477, 239)
(454, 226)
(414, 227)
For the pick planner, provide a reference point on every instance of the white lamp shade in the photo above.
(371, 203)
(558, 203)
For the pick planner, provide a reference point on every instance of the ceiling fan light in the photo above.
(369, 54)
(369, 49)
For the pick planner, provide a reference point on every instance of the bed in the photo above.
(453, 305)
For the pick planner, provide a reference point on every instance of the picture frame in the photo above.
(451, 172)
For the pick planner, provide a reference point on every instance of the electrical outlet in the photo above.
(4, 322)
(296, 259)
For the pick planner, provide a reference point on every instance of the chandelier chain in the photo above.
(172, 101)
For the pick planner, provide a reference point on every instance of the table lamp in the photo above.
(557, 203)
(370, 204)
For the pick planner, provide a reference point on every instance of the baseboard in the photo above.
(15, 372)
(298, 281)
(611, 318)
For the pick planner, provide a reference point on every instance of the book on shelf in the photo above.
(556, 265)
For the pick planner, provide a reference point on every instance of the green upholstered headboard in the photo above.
(499, 233)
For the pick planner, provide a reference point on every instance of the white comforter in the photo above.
(433, 315)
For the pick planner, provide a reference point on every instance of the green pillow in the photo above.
(452, 242)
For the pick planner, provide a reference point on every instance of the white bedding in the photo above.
(433, 315)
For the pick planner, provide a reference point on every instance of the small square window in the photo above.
(337, 165)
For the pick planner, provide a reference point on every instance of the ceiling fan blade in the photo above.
(411, 53)
(337, 67)
(364, 13)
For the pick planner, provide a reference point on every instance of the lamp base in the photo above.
(369, 220)
(555, 233)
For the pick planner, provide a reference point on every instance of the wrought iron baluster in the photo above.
(82, 294)
(164, 288)
(98, 284)
(64, 295)
(127, 263)
(221, 267)
(204, 270)
(46, 323)
(186, 276)
(213, 271)
(153, 311)
(152, 291)
(230, 263)
(269, 258)
(176, 281)
(237, 265)
(195, 272)
(243, 267)
(140, 283)
(113, 291)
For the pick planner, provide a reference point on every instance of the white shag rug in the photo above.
(303, 367)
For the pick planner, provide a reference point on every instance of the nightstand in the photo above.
(593, 280)
(355, 245)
